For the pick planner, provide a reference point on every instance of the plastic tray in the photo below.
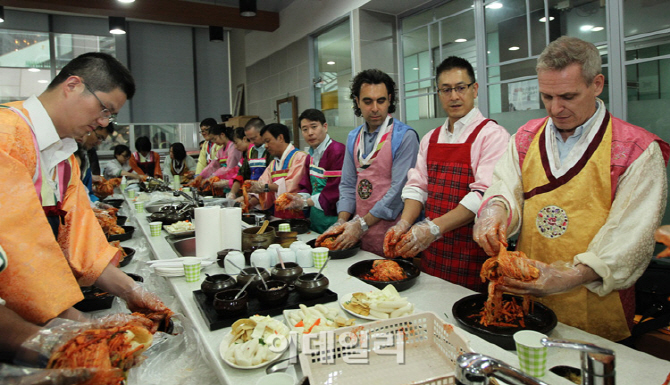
(429, 346)
(215, 321)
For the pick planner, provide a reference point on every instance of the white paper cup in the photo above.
(304, 257)
(155, 228)
(532, 354)
(191, 269)
(139, 207)
(319, 256)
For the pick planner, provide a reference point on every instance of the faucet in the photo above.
(597, 366)
(193, 198)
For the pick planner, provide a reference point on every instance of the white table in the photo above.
(428, 294)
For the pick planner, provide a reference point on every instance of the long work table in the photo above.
(428, 294)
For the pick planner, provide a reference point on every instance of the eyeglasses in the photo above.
(105, 113)
(460, 89)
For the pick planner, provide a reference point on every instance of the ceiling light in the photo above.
(2, 13)
(215, 33)
(330, 63)
(597, 29)
(415, 68)
(248, 8)
(34, 69)
(495, 5)
(513, 48)
(43, 81)
(126, 1)
(586, 28)
(461, 40)
(544, 19)
(117, 25)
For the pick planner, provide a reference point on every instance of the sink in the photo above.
(156, 206)
(184, 247)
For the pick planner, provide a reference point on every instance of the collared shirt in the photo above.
(317, 153)
(565, 146)
(53, 149)
(390, 206)
(261, 150)
(490, 144)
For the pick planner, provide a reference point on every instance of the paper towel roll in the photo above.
(230, 235)
(207, 229)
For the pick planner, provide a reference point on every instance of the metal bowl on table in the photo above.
(466, 310)
(339, 254)
(361, 269)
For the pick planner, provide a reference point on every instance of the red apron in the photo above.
(149, 166)
(456, 257)
(372, 184)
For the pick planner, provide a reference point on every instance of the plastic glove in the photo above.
(559, 277)
(221, 184)
(662, 235)
(392, 237)
(336, 229)
(353, 231)
(197, 181)
(419, 237)
(142, 300)
(230, 196)
(256, 186)
(14, 375)
(297, 202)
(491, 227)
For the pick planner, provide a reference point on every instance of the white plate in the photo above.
(223, 348)
(291, 326)
(347, 297)
(184, 232)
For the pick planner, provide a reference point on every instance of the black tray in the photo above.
(93, 302)
(541, 319)
(216, 321)
(299, 225)
(339, 254)
(121, 220)
(130, 253)
(114, 202)
(362, 268)
(122, 237)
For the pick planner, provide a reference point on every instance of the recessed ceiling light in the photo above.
(126, 1)
(488, 51)
(330, 63)
(597, 29)
(586, 28)
(461, 40)
(43, 81)
(544, 19)
(415, 68)
(495, 5)
(34, 69)
(513, 48)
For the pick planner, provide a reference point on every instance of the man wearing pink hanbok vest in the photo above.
(585, 190)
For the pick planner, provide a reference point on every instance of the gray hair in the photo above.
(566, 50)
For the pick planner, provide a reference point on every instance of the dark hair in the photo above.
(143, 144)
(208, 122)
(239, 133)
(452, 62)
(222, 129)
(277, 129)
(313, 115)
(121, 149)
(110, 128)
(372, 76)
(100, 71)
(81, 156)
(256, 123)
(178, 151)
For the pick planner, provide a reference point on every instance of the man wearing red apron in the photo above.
(379, 154)
(586, 191)
(48, 229)
(257, 160)
(453, 170)
(283, 175)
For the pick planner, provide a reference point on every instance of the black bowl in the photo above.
(288, 274)
(94, 299)
(114, 202)
(121, 220)
(135, 277)
(362, 268)
(276, 294)
(167, 218)
(340, 254)
(307, 287)
(122, 237)
(541, 319)
(216, 283)
(226, 306)
(251, 275)
(299, 225)
(130, 253)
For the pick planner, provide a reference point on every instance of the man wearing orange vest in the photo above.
(585, 190)
(47, 228)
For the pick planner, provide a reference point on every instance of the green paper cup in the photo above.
(192, 269)
(319, 256)
(532, 354)
(131, 193)
(186, 189)
(155, 228)
(284, 227)
(139, 207)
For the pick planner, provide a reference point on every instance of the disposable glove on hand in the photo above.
(256, 187)
(392, 237)
(142, 300)
(419, 237)
(353, 231)
(221, 184)
(297, 202)
(556, 278)
(230, 196)
(336, 229)
(491, 227)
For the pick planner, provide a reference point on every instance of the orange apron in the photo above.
(560, 218)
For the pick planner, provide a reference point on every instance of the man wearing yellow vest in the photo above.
(585, 190)
(47, 227)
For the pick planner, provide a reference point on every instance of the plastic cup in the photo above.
(122, 187)
(186, 189)
(532, 354)
(176, 183)
(155, 228)
(319, 256)
(131, 193)
(191, 269)
(304, 257)
(284, 227)
(139, 207)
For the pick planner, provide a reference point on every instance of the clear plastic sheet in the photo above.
(18, 375)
